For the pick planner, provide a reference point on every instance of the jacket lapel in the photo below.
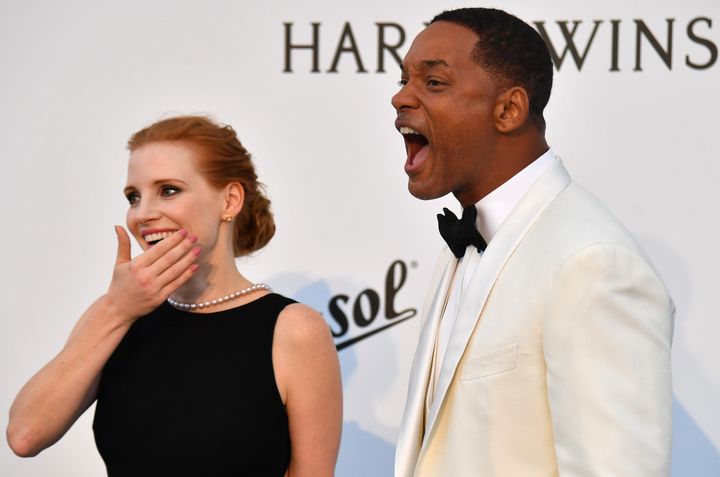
(413, 421)
(499, 250)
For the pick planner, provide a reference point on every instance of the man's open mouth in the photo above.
(416, 146)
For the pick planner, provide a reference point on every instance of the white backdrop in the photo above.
(78, 77)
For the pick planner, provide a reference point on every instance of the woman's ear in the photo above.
(512, 109)
(234, 199)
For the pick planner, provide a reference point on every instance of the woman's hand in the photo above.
(59, 393)
(141, 284)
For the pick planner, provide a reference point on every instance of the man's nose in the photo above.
(405, 98)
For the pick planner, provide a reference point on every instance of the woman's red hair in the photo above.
(221, 160)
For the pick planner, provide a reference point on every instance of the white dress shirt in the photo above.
(492, 210)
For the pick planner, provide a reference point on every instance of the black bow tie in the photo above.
(460, 233)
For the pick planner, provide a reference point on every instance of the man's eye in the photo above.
(402, 82)
(167, 191)
(433, 82)
(133, 198)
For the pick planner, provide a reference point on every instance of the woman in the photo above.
(196, 370)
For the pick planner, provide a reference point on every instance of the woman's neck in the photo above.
(210, 282)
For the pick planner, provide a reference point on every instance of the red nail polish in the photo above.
(194, 267)
(197, 250)
(182, 232)
(193, 238)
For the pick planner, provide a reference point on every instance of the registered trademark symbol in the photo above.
(414, 264)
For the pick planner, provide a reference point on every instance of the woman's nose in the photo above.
(146, 211)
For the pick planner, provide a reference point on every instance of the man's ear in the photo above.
(234, 199)
(512, 109)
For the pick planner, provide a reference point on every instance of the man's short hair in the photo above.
(510, 50)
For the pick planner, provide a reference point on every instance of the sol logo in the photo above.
(366, 307)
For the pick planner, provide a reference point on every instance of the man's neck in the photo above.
(512, 158)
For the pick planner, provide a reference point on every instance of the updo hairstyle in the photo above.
(221, 160)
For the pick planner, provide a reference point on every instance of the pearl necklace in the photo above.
(199, 306)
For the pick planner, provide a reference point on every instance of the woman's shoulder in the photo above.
(304, 357)
(301, 325)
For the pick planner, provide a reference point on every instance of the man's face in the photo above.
(445, 112)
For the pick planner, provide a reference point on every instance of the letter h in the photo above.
(314, 46)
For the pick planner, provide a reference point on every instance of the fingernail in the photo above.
(192, 238)
(197, 250)
(182, 232)
(194, 267)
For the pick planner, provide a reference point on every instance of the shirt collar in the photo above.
(494, 208)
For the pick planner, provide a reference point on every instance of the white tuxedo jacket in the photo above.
(559, 361)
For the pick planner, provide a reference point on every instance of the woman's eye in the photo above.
(133, 198)
(167, 191)
(402, 82)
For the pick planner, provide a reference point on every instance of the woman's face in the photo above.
(167, 193)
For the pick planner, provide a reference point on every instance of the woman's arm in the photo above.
(62, 390)
(308, 375)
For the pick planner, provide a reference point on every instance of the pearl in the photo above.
(217, 301)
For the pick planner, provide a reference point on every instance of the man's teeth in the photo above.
(157, 236)
(407, 130)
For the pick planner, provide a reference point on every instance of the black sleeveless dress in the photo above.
(187, 394)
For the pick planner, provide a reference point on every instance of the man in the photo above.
(548, 352)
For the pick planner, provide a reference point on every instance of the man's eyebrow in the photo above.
(426, 65)
(433, 63)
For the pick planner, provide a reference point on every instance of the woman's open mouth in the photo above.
(155, 237)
